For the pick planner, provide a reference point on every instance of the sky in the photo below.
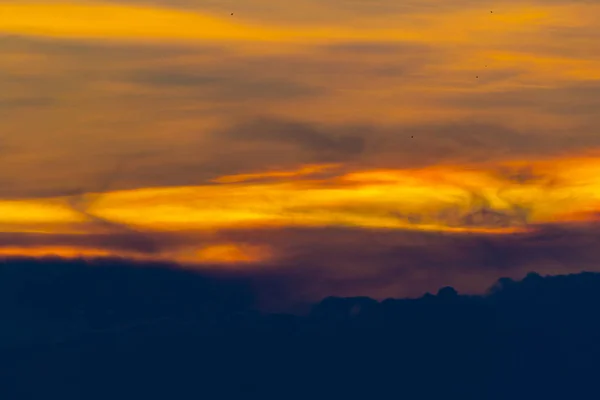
(378, 147)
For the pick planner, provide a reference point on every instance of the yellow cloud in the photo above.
(129, 22)
(428, 199)
(370, 199)
(303, 171)
(37, 212)
(98, 20)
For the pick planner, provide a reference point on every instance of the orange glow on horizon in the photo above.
(230, 253)
(428, 199)
(44, 251)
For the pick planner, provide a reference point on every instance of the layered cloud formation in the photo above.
(381, 148)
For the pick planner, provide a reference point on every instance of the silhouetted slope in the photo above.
(113, 331)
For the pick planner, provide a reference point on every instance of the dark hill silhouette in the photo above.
(107, 329)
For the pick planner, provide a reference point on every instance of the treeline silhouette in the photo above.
(108, 329)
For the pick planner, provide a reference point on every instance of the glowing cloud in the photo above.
(136, 22)
(434, 198)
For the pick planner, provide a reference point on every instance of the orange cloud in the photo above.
(302, 172)
(100, 20)
(230, 253)
(440, 198)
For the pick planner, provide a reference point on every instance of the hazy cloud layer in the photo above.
(396, 104)
(342, 261)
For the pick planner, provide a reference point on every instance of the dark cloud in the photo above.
(314, 263)
(474, 141)
(349, 63)
(521, 175)
(225, 85)
(105, 52)
(379, 263)
(380, 48)
(405, 146)
(258, 144)
(346, 261)
(175, 78)
(321, 143)
(581, 98)
(113, 241)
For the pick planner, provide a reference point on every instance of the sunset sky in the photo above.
(377, 147)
